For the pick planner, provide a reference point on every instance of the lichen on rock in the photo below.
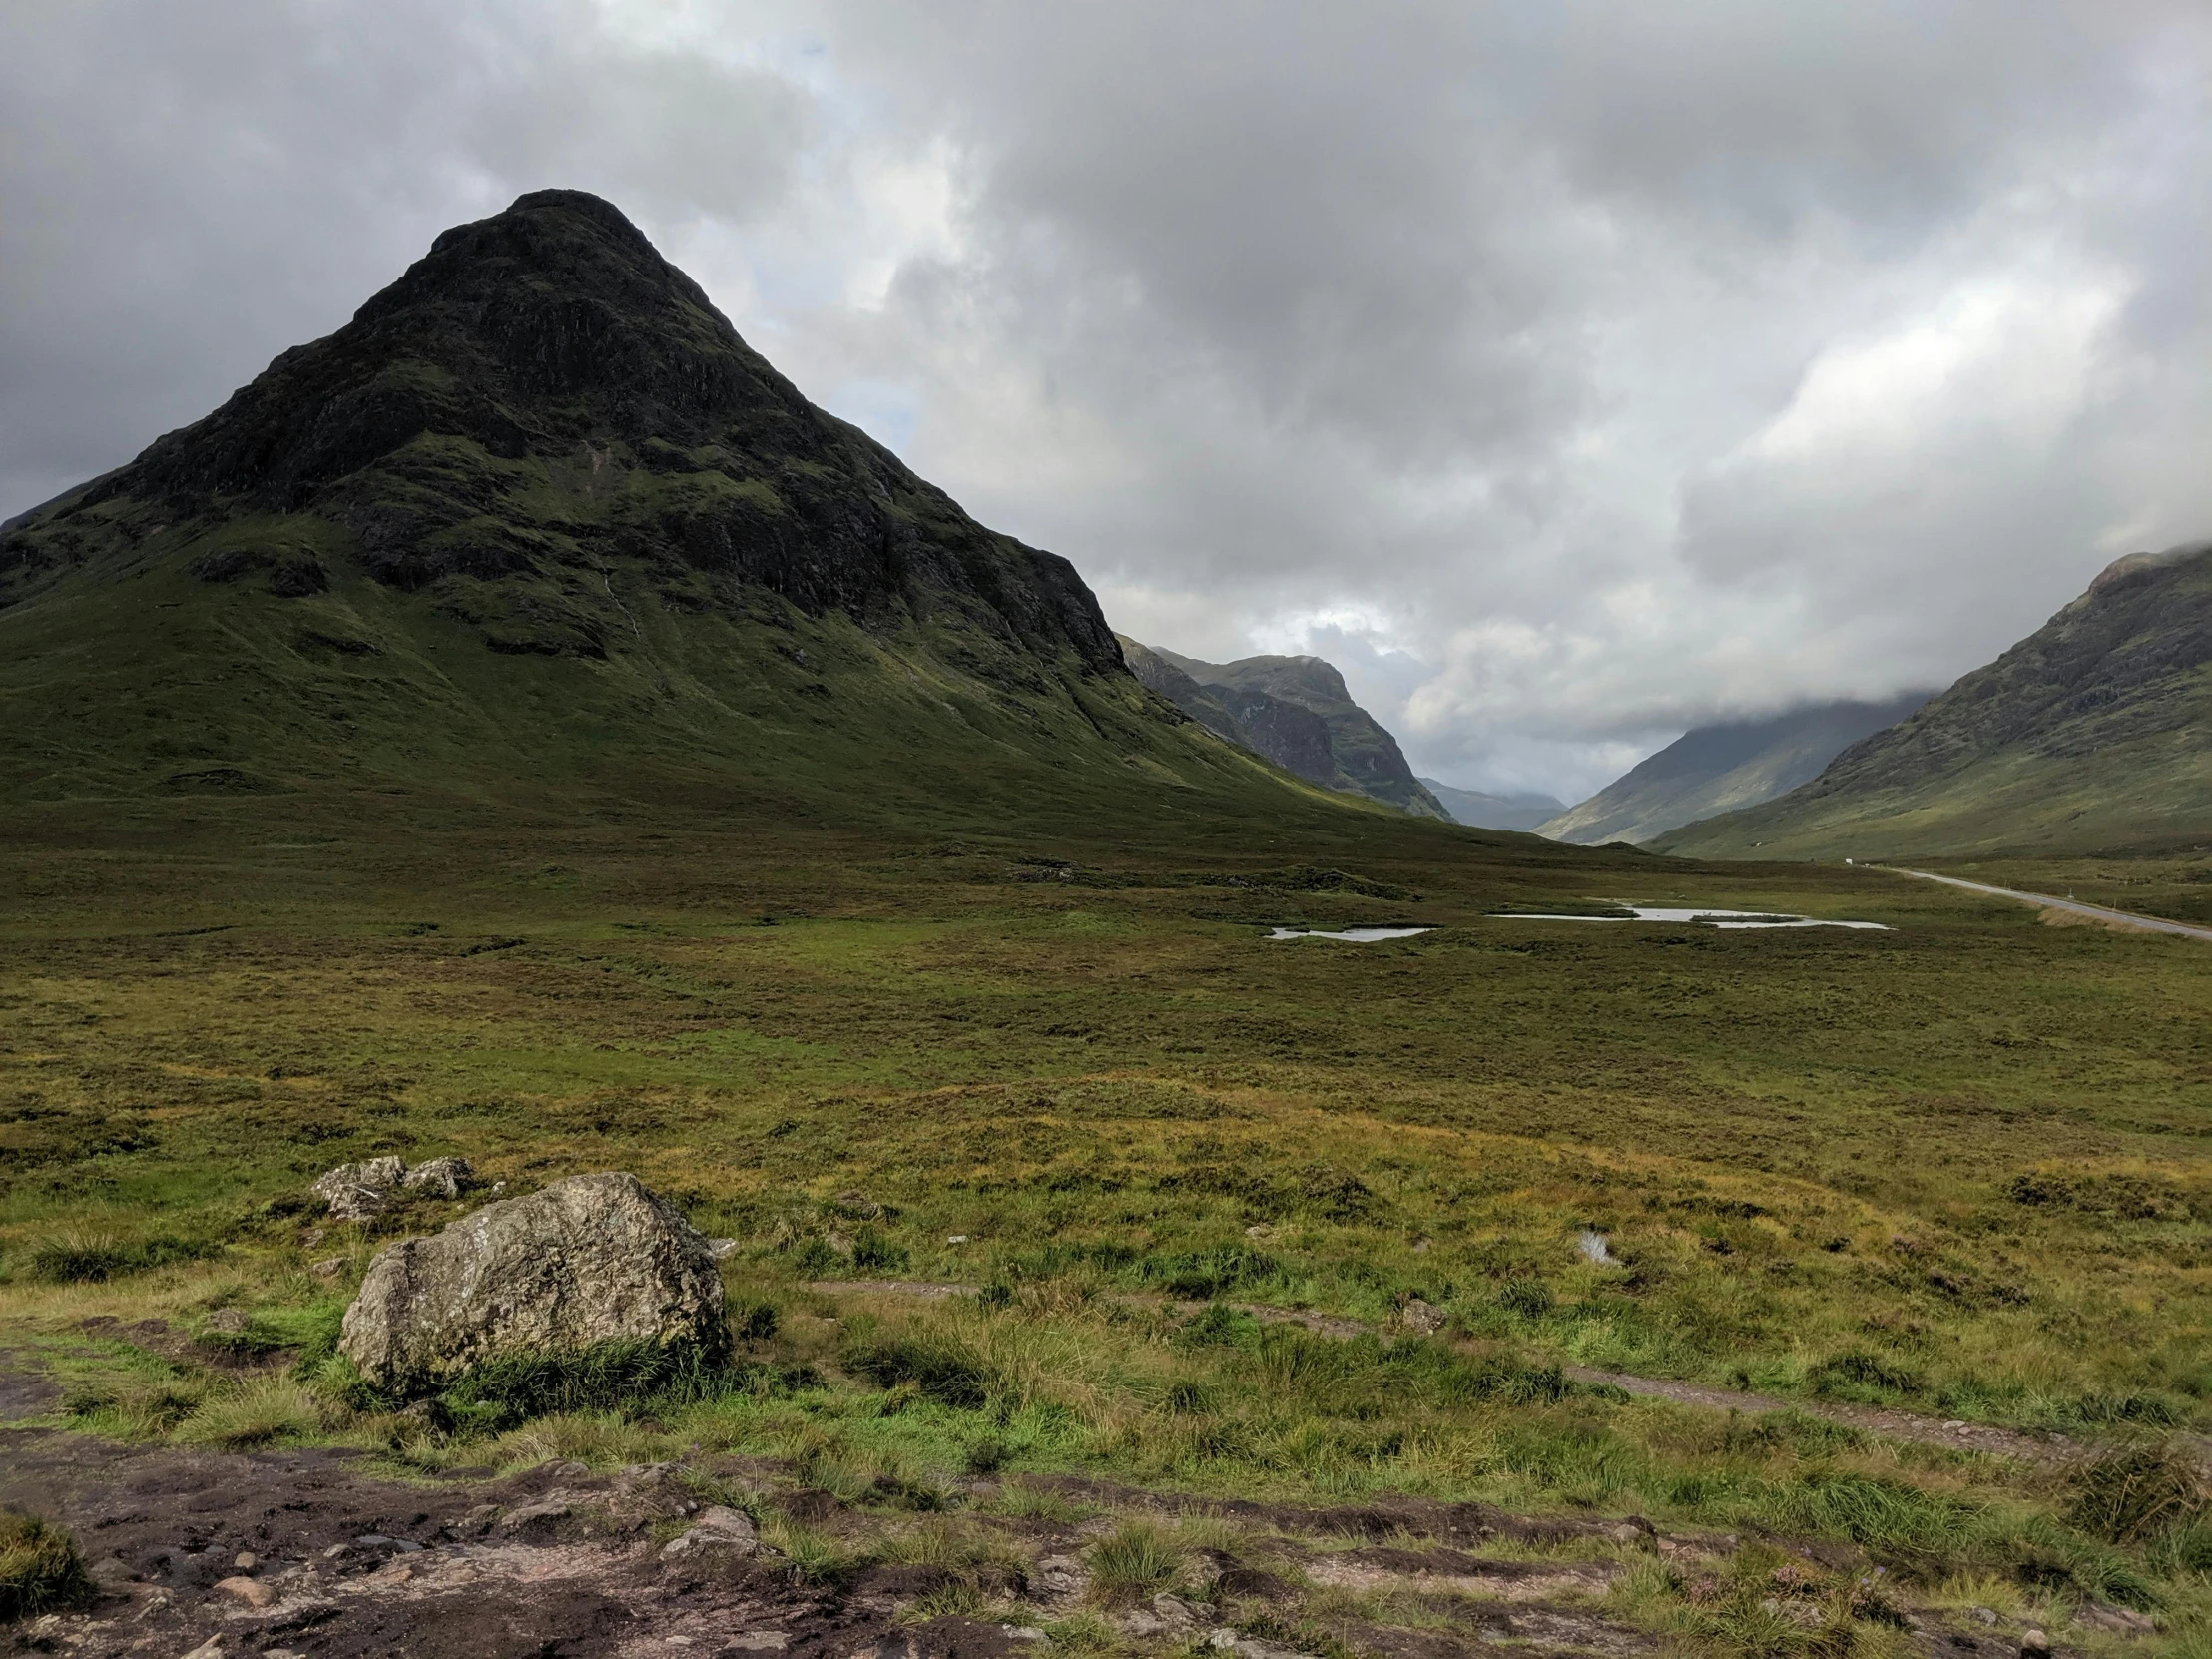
(592, 1260)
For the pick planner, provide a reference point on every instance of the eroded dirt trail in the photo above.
(1895, 1424)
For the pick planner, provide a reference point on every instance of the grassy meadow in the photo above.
(1957, 1167)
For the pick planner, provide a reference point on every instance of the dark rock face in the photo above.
(1295, 711)
(542, 391)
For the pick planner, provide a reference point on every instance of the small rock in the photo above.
(111, 1572)
(1421, 1318)
(960, 1239)
(760, 1641)
(360, 1192)
(440, 1178)
(722, 1249)
(1024, 1633)
(1258, 1230)
(2034, 1644)
(399, 1546)
(2100, 1615)
(45, 1628)
(229, 1320)
(516, 1518)
(1593, 1247)
(498, 1187)
(282, 1653)
(251, 1591)
(1422, 1247)
(719, 1527)
(312, 1237)
(212, 1648)
(479, 1519)
(1984, 1614)
(246, 1561)
(571, 1469)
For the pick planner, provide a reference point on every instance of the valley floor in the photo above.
(1953, 1171)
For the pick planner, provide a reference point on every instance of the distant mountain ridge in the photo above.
(1723, 767)
(2093, 732)
(1479, 810)
(538, 529)
(1295, 711)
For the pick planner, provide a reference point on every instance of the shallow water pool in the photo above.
(1358, 935)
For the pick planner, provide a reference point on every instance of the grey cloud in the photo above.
(1571, 371)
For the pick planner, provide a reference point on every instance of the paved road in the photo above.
(2097, 912)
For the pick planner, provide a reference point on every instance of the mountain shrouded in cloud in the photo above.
(1605, 371)
(2094, 734)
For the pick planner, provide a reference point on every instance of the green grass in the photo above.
(1956, 1166)
(40, 1568)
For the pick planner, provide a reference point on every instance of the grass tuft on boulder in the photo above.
(40, 1568)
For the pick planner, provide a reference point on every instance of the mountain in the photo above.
(2093, 732)
(1715, 769)
(1493, 811)
(538, 527)
(1296, 712)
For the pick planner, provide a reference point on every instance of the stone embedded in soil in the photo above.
(718, 1528)
(591, 1260)
(251, 1591)
(1421, 1318)
(440, 1178)
(362, 1191)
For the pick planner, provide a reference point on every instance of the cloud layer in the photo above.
(1567, 371)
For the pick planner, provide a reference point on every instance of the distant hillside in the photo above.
(1717, 769)
(537, 533)
(1494, 811)
(2093, 732)
(1296, 712)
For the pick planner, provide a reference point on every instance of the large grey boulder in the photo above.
(590, 1260)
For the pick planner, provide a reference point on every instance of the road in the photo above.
(2096, 913)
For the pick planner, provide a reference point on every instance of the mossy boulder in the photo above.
(590, 1260)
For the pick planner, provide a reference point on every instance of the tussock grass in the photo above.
(40, 1568)
(260, 1411)
(1135, 1561)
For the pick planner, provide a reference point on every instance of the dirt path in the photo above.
(294, 1555)
(1954, 1433)
(2072, 907)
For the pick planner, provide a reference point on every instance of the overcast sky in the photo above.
(1569, 373)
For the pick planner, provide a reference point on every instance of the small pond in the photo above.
(1705, 917)
(1358, 935)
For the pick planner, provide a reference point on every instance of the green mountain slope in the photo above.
(1295, 711)
(1720, 768)
(537, 530)
(1493, 811)
(2093, 732)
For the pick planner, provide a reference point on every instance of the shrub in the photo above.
(92, 1259)
(942, 1370)
(817, 1259)
(267, 1411)
(1853, 1373)
(755, 1322)
(2137, 1493)
(40, 1568)
(1217, 1325)
(1529, 1297)
(1208, 1273)
(630, 1377)
(872, 1250)
(1135, 1561)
